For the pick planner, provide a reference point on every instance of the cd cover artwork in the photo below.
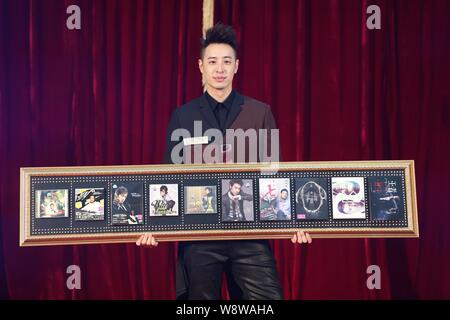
(274, 199)
(52, 203)
(89, 204)
(200, 199)
(237, 200)
(163, 200)
(386, 198)
(127, 203)
(348, 198)
(311, 201)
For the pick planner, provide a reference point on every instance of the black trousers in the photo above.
(249, 264)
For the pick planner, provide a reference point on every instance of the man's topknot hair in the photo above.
(220, 33)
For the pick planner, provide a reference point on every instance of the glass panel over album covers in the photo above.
(200, 199)
(89, 204)
(386, 198)
(52, 203)
(127, 203)
(348, 198)
(274, 199)
(164, 200)
(237, 200)
(209, 202)
(311, 200)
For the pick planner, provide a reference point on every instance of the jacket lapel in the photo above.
(207, 112)
(235, 109)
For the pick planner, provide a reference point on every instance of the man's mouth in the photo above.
(219, 79)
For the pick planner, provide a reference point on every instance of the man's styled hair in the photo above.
(120, 191)
(220, 33)
(236, 181)
(163, 188)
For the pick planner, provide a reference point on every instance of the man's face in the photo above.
(162, 193)
(218, 66)
(121, 197)
(91, 199)
(235, 189)
(284, 195)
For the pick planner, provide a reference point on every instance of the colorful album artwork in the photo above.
(311, 200)
(237, 200)
(127, 203)
(163, 200)
(386, 198)
(52, 203)
(274, 199)
(89, 204)
(348, 198)
(200, 199)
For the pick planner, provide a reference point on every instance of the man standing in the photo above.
(250, 264)
(233, 202)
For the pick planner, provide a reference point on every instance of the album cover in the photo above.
(52, 203)
(200, 199)
(89, 204)
(237, 200)
(127, 203)
(311, 200)
(163, 200)
(386, 198)
(274, 199)
(348, 198)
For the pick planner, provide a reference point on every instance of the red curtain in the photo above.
(103, 95)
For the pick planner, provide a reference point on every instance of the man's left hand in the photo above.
(301, 237)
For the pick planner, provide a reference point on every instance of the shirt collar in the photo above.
(228, 102)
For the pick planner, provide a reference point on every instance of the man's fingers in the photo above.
(149, 239)
(294, 238)
(139, 241)
(301, 237)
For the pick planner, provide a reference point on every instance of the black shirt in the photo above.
(221, 115)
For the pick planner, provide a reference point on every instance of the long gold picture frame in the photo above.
(30, 236)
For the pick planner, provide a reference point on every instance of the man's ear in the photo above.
(237, 66)
(200, 65)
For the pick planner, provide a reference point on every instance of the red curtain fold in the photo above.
(349, 93)
(103, 95)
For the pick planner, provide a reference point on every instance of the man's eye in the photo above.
(212, 62)
(227, 62)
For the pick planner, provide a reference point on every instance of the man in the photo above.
(209, 200)
(92, 205)
(284, 206)
(164, 192)
(233, 202)
(121, 207)
(250, 264)
(119, 203)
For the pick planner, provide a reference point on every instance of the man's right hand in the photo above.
(147, 240)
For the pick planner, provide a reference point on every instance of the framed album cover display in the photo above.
(112, 204)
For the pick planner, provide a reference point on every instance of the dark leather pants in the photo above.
(249, 264)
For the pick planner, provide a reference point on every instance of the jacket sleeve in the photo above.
(174, 124)
(246, 196)
(269, 124)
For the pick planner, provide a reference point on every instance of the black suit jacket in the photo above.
(226, 205)
(245, 113)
